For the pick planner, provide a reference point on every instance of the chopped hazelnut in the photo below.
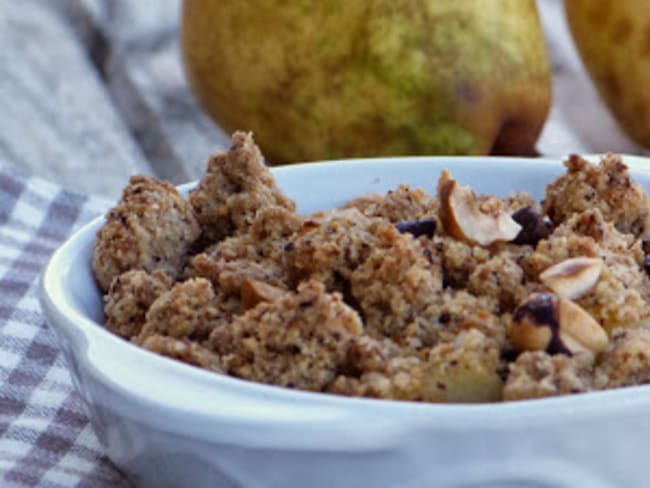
(463, 218)
(547, 322)
(255, 291)
(573, 277)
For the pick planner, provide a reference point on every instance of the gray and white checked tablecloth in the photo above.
(45, 437)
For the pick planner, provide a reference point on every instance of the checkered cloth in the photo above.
(45, 437)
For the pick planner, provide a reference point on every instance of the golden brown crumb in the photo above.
(129, 297)
(267, 237)
(258, 254)
(461, 311)
(228, 276)
(396, 287)
(459, 260)
(500, 278)
(151, 228)
(183, 350)
(299, 340)
(188, 310)
(607, 187)
(236, 185)
(538, 374)
(402, 204)
(379, 368)
(331, 246)
(627, 360)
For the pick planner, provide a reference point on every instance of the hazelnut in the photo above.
(462, 216)
(255, 291)
(573, 277)
(547, 322)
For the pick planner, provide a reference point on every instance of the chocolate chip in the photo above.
(290, 246)
(541, 311)
(424, 227)
(444, 318)
(534, 227)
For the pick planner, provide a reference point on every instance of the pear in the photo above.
(613, 39)
(333, 79)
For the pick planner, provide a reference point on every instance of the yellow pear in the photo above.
(613, 38)
(324, 79)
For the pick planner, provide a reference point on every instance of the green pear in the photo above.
(613, 39)
(326, 79)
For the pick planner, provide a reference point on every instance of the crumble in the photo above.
(452, 297)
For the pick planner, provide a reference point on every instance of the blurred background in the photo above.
(92, 91)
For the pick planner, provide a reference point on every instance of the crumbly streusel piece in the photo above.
(329, 245)
(257, 254)
(501, 278)
(607, 187)
(267, 236)
(396, 289)
(378, 367)
(626, 362)
(271, 231)
(299, 340)
(189, 310)
(399, 205)
(185, 350)
(538, 374)
(152, 227)
(228, 277)
(461, 311)
(459, 260)
(614, 303)
(236, 185)
(129, 297)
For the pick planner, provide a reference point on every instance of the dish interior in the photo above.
(71, 295)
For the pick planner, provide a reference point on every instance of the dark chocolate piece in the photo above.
(424, 227)
(542, 312)
(534, 227)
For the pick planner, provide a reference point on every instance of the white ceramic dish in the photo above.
(169, 424)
